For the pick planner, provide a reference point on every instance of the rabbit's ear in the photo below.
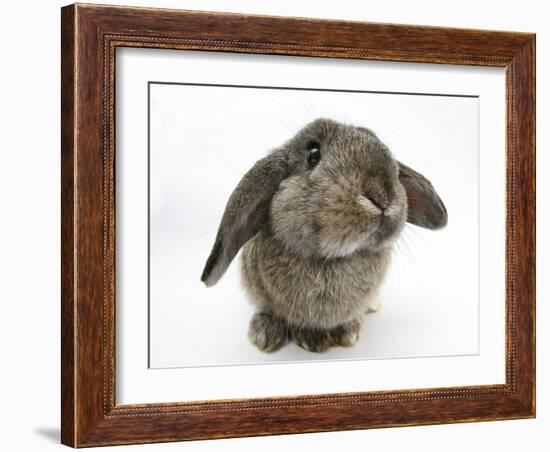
(425, 207)
(247, 210)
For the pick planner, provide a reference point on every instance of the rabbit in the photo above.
(316, 219)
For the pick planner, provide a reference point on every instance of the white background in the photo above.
(192, 325)
(434, 134)
(30, 225)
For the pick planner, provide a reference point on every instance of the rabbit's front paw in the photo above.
(347, 335)
(313, 340)
(267, 332)
(317, 340)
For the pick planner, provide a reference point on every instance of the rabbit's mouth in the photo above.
(370, 228)
(386, 233)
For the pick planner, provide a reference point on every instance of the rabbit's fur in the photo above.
(317, 234)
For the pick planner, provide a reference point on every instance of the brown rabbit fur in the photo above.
(317, 219)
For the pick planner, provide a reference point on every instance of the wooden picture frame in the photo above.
(90, 35)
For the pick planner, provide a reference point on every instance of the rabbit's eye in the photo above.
(313, 154)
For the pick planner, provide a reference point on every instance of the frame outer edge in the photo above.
(534, 230)
(68, 242)
(525, 62)
(86, 418)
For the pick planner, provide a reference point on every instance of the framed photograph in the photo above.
(281, 225)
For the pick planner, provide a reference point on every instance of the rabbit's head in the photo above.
(330, 191)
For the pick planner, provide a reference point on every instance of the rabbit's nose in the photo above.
(378, 204)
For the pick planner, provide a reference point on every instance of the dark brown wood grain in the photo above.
(90, 35)
(67, 226)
